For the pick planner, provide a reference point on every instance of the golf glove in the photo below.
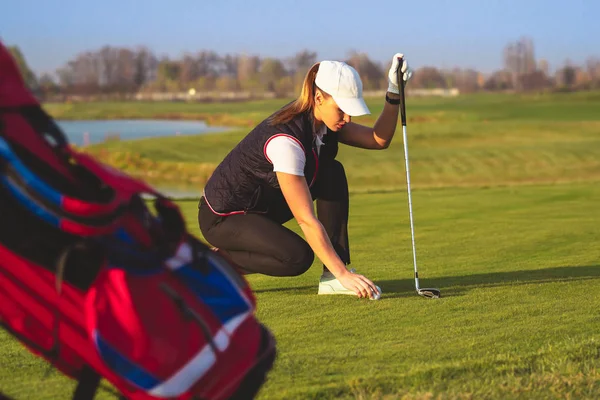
(392, 75)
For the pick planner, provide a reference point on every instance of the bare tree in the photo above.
(593, 70)
(26, 72)
(189, 70)
(126, 67)
(535, 80)
(519, 59)
(85, 73)
(230, 65)
(121, 71)
(271, 71)
(226, 84)
(298, 66)
(499, 80)
(66, 80)
(465, 80)
(248, 72)
(428, 78)
(47, 86)
(370, 72)
(566, 76)
(301, 62)
(168, 70)
(146, 65)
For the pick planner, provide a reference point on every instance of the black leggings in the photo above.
(259, 243)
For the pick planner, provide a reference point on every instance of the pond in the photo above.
(86, 132)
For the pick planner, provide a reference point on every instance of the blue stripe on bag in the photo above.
(122, 235)
(30, 204)
(216, 291)
(137, 261)
(28, 177)
(123, 367)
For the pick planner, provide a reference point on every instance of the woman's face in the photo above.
(328, 112)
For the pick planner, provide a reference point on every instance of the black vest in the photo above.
(245, 181)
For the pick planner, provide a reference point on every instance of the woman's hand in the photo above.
(297, 195)
(393, 73)
(360, 284)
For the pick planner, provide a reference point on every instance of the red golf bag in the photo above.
(99, 276)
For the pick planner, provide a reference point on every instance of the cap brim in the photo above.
(352, 106)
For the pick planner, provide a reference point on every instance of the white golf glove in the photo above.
(393, 76)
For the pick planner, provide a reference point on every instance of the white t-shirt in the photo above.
(286, 153)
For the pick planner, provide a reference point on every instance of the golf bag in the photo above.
(99, 276)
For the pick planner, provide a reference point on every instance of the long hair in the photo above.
(305, 102)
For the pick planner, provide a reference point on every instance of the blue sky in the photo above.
(462, 33)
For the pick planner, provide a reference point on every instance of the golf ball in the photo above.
(378, 294)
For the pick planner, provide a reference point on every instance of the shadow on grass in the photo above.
(459, 285)
(291, 288)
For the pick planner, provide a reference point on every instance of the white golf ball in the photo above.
(377, 295)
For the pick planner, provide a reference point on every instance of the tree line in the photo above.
(120, 72)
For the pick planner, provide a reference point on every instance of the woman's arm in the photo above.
(380, 135)
(297, 195)
(377, 137)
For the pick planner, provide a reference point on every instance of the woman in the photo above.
(285, 163)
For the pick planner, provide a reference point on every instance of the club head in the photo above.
(430, 293)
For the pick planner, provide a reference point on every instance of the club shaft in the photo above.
(401, 86)
(410, 208)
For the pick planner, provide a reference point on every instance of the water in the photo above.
(89, 132)
(182, 191)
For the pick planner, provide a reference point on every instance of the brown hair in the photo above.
(305, 102)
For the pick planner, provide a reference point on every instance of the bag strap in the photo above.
(32, 129)
(87, 384)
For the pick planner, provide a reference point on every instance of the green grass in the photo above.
(476, 141)
(519, 270)
(228, 114)
(506, 217)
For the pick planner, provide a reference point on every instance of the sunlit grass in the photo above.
(506, 206)
(519, 269)
(475, 141)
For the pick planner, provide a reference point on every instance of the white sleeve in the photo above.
(286, 154)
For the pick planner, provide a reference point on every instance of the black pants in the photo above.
(259, 243)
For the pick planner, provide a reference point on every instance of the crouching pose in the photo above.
(283, 165)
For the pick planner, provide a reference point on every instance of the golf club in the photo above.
(425, 292)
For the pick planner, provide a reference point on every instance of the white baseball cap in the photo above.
(343, 83)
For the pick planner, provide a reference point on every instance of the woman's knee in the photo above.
(299, 260)
(205, 223)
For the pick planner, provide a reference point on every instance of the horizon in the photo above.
(467, 34)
